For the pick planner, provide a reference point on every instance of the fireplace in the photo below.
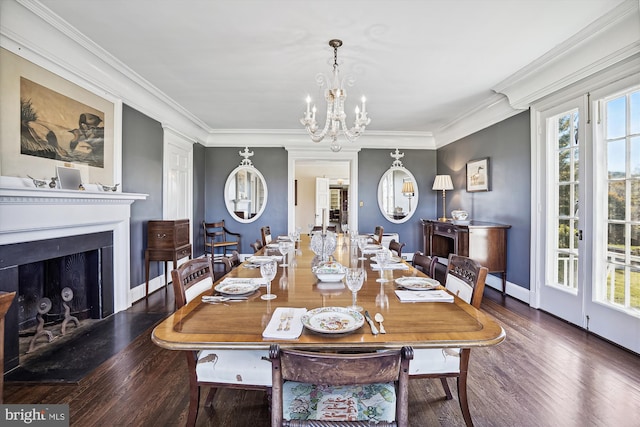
(45, 229)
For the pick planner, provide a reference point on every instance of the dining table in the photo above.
(209, 323)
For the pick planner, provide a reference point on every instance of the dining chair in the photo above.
(465, 279)
(240, 369)
(395, 246)
(377, 234)
(425, 263)
(265, 232)
(257, 245)
(323, 389)
(231, 261)
(217, 236)
(331, 228)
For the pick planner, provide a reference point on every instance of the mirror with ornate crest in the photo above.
(245, 192)
(398, 192)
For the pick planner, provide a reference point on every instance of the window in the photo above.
(620, 134)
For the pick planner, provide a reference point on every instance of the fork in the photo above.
(283, 318)
(289, 317)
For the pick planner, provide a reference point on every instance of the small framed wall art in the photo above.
(478, 175)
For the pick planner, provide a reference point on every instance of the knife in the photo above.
(374, 330)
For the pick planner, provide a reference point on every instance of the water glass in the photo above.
(362, 243)
(382, 259)
(354, 278)
(284, 246)
(268, 272)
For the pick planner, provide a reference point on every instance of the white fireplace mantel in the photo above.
(32, 214)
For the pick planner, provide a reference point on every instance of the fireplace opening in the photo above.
(49, 276)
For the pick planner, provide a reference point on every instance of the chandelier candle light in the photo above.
(335, 95)
(443, 182)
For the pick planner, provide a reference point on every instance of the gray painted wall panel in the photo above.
(199, 178)
(142, 139)
(508, 146)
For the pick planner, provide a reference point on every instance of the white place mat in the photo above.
(295, 323)
(424, 296)
(394, 266)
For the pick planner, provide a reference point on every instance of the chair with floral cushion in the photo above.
(465, 279)
(243, 369)
(325, 389)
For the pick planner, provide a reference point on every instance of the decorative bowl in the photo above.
(459, 215)
(329, 271)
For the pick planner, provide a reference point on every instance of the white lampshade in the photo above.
(407, 188)
(442, 182)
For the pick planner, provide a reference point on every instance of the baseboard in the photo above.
(513, 290)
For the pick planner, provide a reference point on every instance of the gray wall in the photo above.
(199, 179)
(272, 163)
(372, 164)
(142, 139)
(508, 146)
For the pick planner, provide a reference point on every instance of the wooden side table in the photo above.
(166, 241)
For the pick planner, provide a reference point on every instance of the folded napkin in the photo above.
(393, 266)
(281, 318)
(424, 296)
(253, 280)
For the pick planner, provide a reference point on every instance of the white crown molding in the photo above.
(606, 42)
(493, 110)
(299, 139)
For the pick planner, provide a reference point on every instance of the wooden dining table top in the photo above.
(239, 324)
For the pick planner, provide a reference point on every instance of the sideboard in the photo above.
(167, 240)
(484, 242)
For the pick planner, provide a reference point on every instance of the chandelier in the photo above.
(335, 94)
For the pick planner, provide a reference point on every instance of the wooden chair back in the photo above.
(257, 245)
(377, 234)
(425, 263)
(191, 279)
(265, 232)
(231, 261)
(336, 369)
(466, 279)
(331, 228)
(396, 247)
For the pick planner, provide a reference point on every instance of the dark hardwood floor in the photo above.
(546, 373)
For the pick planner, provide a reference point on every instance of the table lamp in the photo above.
(443, 182)
(408, 191)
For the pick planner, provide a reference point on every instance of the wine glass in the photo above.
(362, 243)
(382, 259)
(354, 278)
(284, 246)
(268, 272)
(344, 228)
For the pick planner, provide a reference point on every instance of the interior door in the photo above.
(322, 201)
(562, 155)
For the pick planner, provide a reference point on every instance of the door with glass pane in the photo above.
(562, 290)
(613, 309)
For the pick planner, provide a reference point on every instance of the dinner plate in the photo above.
(393, 258)
(256, 259)
(273, 246)
(237, 289)
(332, 320)
(371, 247)
(417, 283)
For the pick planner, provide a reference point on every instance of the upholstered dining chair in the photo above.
(465, 279)
(396, 247)
(256, 246)
(325, 389)
(377, 234)
(243, 369)
(217, 236)
(231, 262)
(265, 232)
(425, 263)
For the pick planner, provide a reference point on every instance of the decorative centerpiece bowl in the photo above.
(329, 271)
(460, 217)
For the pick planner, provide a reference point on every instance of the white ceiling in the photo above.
(249, 64)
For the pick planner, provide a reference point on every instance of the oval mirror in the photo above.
(245, 193)
(398, 194)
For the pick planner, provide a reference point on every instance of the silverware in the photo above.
(378, 318)
(289, 317)
(374, 330)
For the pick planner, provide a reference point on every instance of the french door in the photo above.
(587, 185)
